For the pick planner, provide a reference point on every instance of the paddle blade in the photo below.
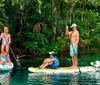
(18, 63)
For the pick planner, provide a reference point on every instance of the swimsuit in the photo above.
(73, 52)
(5, 41)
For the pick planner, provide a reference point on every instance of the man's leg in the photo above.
(75, 62)
(75, 51)
(71, 54)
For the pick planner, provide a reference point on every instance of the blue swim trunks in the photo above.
(73, 52)
(53, 66)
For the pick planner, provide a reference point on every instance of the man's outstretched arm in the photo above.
(67, 31)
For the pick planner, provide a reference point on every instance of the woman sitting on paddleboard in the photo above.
(51, 62)
(6, 40)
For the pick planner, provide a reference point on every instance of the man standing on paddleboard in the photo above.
(74, 36)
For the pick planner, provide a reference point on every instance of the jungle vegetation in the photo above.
(38, 26)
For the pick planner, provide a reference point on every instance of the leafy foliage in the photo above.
(21, 16)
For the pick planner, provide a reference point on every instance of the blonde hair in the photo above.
(6, 28)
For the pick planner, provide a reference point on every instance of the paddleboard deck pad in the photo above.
(7, 65)
(63, 70)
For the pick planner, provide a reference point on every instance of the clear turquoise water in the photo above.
(24, 77)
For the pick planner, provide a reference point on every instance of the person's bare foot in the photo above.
(71, 66)
(75, 67)
(40, 67)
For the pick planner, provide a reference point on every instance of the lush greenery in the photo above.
(38, 26)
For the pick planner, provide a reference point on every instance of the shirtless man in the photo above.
(6, 40)
(74, 36)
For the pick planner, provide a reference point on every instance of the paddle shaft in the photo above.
(75, 53)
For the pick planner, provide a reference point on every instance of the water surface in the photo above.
(24, 77)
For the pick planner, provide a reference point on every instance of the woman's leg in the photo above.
(7, 49)
(50, 62)
(2, 48)
(43, 62)
(45, 65)
(1, 62)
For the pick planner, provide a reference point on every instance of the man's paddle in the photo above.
(74, 53)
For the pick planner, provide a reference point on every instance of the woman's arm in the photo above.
(53, 59)
(1, 36)
(9, 39)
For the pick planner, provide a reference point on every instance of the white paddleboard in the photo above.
(63, 70)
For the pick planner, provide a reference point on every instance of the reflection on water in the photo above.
(92, 78)
(18, 77)
(23, 77)
(4, 78)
